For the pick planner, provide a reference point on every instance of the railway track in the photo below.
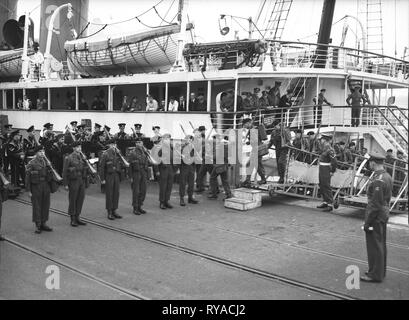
(221, 261)
(119, 289)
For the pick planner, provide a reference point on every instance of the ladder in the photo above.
(374, 26)
(272, 24)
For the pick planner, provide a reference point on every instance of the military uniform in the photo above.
(379, 192)
(110, 170)
(187, 174)
(16, 157)
(281, 139)
(121, 138)
(327, 165)
(2, 187)
(166, 175)
(139, 168)
(75, 174)
(38, 179)
(220, 151)
(255, 155)
(300, 144)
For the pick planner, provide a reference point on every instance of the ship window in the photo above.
(37, 98)
(135, 98)
(18, 101)
(62, 99)
(218, 87)
(9, 99)
(157, 91)
(199, 91)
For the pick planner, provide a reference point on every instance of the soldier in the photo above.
(327, 166)
(248, 126)
(342, 156)
(139, 161)
(379, 193)
(220, 154)
(312, 145)
(137, 132)
(6, 139)
(354, 101)
(97, 142)
(299, 143)
(121, 138)
(2, 187)
(110, 170)
(75, 175)
(318, 106)
(284, 105)
(400, 174)
(389, 161)
(166, 171)
(38, 178)
(281, 139)
(16, 157)
(29, 144)
(187, 171)
(48, 138)
(58, 152)
(350, 153)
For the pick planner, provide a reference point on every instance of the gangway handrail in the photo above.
(397, 131)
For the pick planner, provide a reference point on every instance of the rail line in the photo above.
(222, 261)
(75, 270)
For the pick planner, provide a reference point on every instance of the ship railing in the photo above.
(287, 54)
(350, 179)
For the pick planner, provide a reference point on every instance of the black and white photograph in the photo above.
(204, 155)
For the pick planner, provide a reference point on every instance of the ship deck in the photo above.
(286, 249)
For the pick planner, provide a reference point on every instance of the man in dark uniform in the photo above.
(202, 168)
(6, 139)
(327, 166)
(400, 173)
(299, 143)
(58, 152)
(255, 155)
(2, 187)
(342, 156)
(281, 139)
(220, 156)
(139, 161)
(284, 105)
(121, 138)
(137, 131)
(29, 144)
(166, 171)
(47, 139)
(16, 157)
(109, 171)
(38, 178)
(97, 145)
(187, 171)
(318, 106)
(389, 161)
(379, 192)
(354, 101)
(75, 175)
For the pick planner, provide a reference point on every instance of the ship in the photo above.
(108, 70)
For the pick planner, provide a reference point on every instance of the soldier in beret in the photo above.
(110, 169)
(75, 175)
(379, 192)
(139, 161)
(38, 178)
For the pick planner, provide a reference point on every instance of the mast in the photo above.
(179, 65)
(324, 33)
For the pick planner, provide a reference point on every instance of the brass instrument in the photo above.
(90, 167)
(124, 162)
(107, 133)
(4, 179)
(67, 128)
(56, 176)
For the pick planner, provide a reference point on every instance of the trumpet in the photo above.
(4, 180)
(56, 176)
(67, 128)
(125, 163)
(90, 167)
